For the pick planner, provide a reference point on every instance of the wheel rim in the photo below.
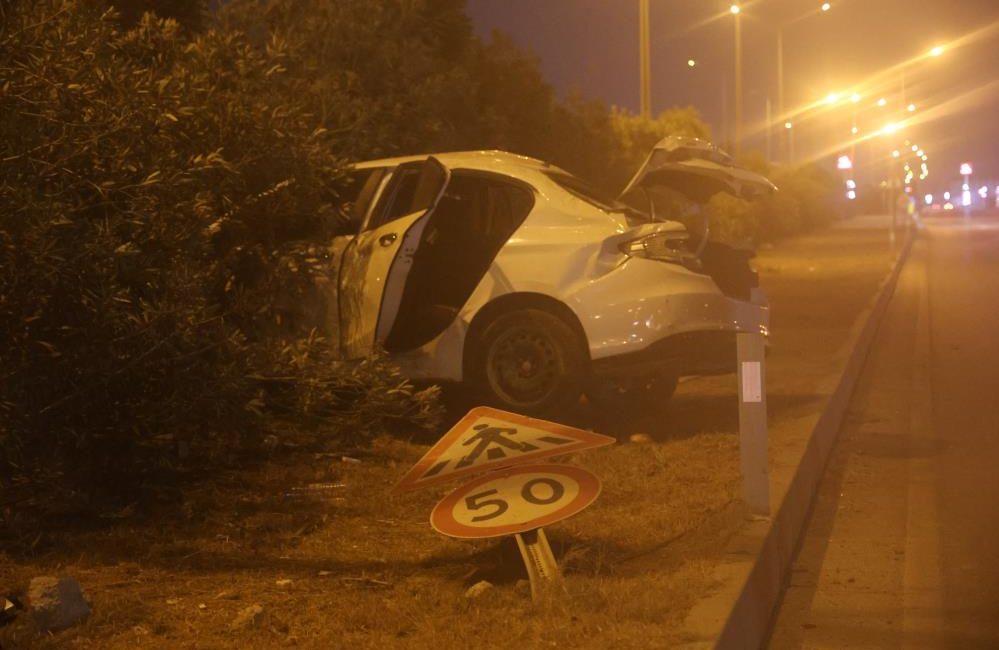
(524, 366)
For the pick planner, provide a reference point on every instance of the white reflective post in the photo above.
(751, 356)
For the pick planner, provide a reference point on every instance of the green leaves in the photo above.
(151, 188)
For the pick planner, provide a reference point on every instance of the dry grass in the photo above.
(364, 569)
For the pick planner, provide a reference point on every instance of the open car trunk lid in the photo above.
(698, 170)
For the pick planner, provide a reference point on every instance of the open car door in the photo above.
(375, 266)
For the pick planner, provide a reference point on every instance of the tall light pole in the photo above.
(824, 7)
(644, 64)
(737, 143)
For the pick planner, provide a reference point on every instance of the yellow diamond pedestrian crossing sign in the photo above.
(488, 438)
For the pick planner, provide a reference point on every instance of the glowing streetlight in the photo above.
(882, 102)
(890, 128)
(737, 32)
(788, 125)
(911, 108)
(854, 130)
(937, 51)
(824, 7)
(832, 98)
(895, 154)
(855, 97)
(691, 63)
(644, 61)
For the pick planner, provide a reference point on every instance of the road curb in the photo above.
(758, 559)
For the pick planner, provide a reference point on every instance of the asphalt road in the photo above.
(902, 550)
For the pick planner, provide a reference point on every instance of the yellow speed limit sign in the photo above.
(515, 500)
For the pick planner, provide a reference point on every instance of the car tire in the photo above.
(529, 361)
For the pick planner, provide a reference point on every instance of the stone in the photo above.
(479, 588)
(247, 617)
(8, 610)
(57, 603)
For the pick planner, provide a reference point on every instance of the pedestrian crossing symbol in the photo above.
(488, 438)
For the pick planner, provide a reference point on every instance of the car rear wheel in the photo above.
(529, 361)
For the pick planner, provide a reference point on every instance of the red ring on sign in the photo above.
(443, 521)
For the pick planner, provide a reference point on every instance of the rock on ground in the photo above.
(478, 589)
(248, 616)
(57, 603)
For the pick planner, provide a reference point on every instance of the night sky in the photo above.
(591, 47)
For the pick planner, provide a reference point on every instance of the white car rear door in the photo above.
(375, 265)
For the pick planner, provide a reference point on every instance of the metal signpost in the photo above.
(751, 354)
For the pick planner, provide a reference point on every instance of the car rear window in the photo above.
(584, 190)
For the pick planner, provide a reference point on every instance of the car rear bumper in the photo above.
(704, 342)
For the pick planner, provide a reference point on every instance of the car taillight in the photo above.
(664, 247)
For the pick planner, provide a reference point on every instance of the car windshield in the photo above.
(583, 190)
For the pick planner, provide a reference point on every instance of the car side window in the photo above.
(397, 200)
(482, 206)
(354, 197)
(360, 206)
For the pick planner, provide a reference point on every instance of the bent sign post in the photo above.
(519, 501)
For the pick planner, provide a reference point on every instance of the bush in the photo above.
(808, 196)
(163, 210)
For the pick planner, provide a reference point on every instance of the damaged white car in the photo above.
(517, 279)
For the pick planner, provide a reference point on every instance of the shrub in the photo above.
(164, 205)
(808, 196)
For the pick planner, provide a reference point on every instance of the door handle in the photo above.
(388, 240)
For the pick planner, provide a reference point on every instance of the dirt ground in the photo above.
(335, 561)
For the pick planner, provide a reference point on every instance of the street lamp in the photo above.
(644, 60)
(737, 144)
(788, 126)
(780, 54)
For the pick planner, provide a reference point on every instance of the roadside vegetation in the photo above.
(168, 186)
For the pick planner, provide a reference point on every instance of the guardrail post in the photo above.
(751, 355)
